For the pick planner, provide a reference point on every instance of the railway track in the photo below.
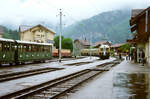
(59, 87)
(15, 75)
(78, 63)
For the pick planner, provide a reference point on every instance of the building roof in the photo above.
(142, 12)
(24, 28)
(35, 43)
(135, 12)
(1, 30)
(100, 43)
(84, 42)
(117, 45)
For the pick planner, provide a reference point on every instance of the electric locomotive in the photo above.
(103, 52)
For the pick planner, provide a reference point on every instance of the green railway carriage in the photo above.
(15, 51)
(7, 51)
(32, 51)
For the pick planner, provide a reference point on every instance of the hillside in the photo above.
(10, 34)
(112, 25)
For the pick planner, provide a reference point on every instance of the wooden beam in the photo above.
(133, 28)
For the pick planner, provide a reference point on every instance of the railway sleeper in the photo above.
(58, 89)
(52, 93)
(42, 96)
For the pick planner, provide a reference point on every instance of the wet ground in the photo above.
(131, 86)
(124, 81)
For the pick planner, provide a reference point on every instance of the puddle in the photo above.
(131, 86)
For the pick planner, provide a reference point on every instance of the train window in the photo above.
(34, 48)
(6, 47)
(47, 49)
(50, 48)
(20, 48)
(23, 48)
(14, 47)
(0, 46)
(107, 49)
(37, 48)
(101, 49)
(29, 48)
(40, 48)
(11, 47)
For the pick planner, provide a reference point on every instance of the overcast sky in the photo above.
(19, 12)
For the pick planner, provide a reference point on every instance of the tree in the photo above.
(56, 41)
(125, 48)
(67, 43)
(10, 34)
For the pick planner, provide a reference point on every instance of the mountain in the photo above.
(9, 33)
(112, 26)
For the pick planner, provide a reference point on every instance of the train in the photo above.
(19, 52)
(64, 53)
(103, 52)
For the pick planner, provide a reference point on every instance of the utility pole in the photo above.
(90, 45)
(60, 35)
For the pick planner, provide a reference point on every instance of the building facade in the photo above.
(79, 45)
(117, 47)
(140, 27)
(38, 33)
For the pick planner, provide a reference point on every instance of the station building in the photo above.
(79, 45)
(38, 33)
(117, 47)
(140, 27)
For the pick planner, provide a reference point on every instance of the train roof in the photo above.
(104, 46)
(35, 43)
(6, 40)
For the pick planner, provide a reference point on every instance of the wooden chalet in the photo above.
(140, 27)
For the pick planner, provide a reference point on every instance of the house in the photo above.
(140, 27)
(116, 47)
(38, 33)
(98, 44)
(1, 31)
(79, 45)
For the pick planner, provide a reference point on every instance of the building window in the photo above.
(40, 30)
(38, 35)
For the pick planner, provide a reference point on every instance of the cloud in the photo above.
(27, 11)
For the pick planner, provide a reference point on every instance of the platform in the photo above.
(124, 81)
